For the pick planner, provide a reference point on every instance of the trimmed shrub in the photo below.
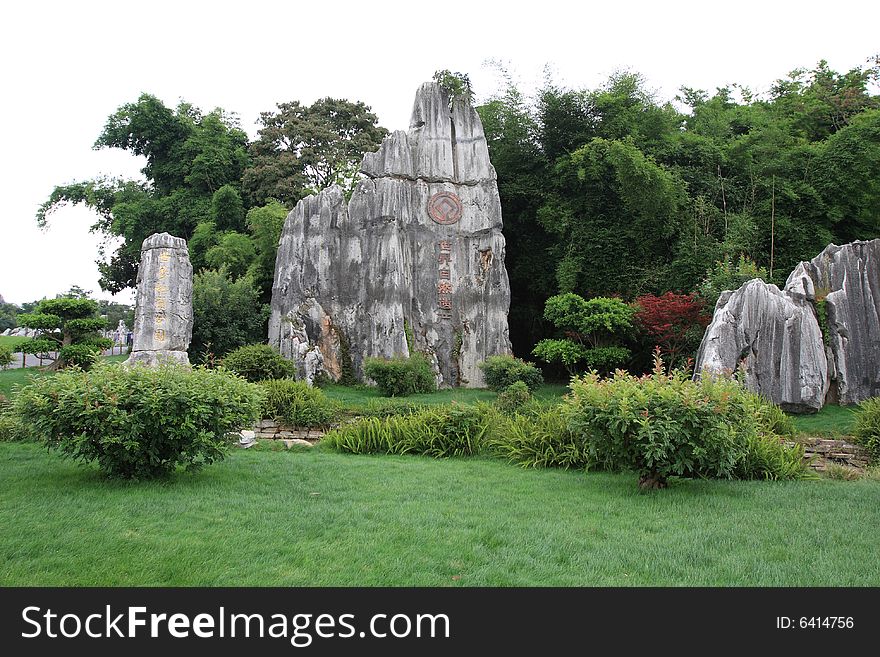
(296, 404)
(454, 430)
(513, 397)
(866, 428)
(5, 356)
(138, 422)
(542, 440)
(399, 377)
(82, 355)
(666, 424)
(258, 362)
(502, 371)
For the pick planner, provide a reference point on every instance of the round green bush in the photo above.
(259, 362)
(501, 371)
(513, 397)
(867, 426)
(138, 422)
(399, 377)
(296, 404)
(5, 356)
(82, 355)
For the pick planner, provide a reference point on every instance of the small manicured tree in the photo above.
(63, 323)
(673, 322)
(592, 332)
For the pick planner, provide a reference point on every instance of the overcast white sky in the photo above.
(67, 65)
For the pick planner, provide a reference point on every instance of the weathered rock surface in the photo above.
(777, 341)
(848, 279)
(776, 335)
(414, 262)
(163, 308)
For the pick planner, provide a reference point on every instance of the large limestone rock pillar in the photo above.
(414, 262)
(163, 309)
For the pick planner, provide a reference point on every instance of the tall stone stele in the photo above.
(414, 262)
(163, 316)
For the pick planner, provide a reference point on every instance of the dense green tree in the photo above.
(227, 314)
(190, 156)
(302, 149)
(233, 252)
(265, 224)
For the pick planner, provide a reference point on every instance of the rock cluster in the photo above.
(163, 308)
(815, 341)
(414, 262)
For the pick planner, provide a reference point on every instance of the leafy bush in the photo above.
(454, 430)
(258, 362)
(666, 424)
(81, 355)
(296, 404)
(502, 371)
(10, 427)
(541, 441)
(138, 422)
(513, 397)
(866, 429)
(726, 275)
(401, 376)
(5, 356)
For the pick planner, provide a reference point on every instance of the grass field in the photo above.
(21, 375)
(11, 342)
(363, 395)
(830, 421)
(303, 518)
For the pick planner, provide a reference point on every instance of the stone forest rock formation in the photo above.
(163, 315)
(816, 341)
(414, 262)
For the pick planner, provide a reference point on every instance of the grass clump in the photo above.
(454, 430)
(866, 429)
(297, 404)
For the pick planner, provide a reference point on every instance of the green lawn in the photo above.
(831, 420)
(11, 342)
(360, 395)
(302, 518)
(21, 375)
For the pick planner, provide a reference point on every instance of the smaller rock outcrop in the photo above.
(818, 340)
(775, 338)
(163, 310)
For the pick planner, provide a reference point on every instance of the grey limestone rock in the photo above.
(163, 309)
(777, 338)
(847, 278)
(414, 262)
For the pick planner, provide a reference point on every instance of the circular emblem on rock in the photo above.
(445, 208)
